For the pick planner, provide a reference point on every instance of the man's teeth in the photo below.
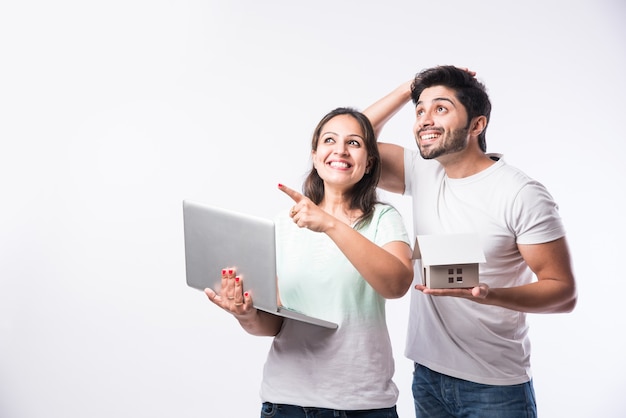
(429, 136)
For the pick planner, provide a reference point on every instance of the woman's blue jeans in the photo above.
(439, 396)
(272, 410)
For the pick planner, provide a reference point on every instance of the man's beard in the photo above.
(450, 143)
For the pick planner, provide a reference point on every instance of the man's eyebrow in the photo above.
(438, 99)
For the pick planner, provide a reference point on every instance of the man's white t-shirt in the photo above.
(459, 337)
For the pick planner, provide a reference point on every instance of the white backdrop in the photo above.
(112, 113)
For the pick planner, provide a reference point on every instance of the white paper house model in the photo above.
(449, 261)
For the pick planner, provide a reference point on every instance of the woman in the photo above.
(340, 254)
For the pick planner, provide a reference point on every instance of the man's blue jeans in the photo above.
(272, 410)
(439, 396)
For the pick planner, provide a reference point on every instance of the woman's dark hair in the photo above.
(363, 195)
(468, 90)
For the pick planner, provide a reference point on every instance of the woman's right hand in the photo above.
(231, 296)
(234, 300)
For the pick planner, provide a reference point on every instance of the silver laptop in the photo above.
(216, 238)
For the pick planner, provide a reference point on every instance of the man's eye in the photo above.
(441, 109)
(420, 112)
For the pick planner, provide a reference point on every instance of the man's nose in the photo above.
(425, 120)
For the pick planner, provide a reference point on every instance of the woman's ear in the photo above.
(313, 159)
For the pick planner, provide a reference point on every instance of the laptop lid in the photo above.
(216, 238)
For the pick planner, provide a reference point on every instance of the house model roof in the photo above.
(447, 249)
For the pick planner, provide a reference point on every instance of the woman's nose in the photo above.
(340, 148)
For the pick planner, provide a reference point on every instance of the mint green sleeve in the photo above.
(387, 225)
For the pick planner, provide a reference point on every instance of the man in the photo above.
(470, 346)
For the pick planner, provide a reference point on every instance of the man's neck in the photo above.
(465, 163)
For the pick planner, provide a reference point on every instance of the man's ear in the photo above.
(478, 125)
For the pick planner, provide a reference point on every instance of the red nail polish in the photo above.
(230, 272)
(224, 271)
(237, 279)
(245, 295)
(280, 185)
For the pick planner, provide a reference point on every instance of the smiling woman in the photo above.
(340, 254)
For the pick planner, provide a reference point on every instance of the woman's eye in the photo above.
(354, 143)
(328, 140)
